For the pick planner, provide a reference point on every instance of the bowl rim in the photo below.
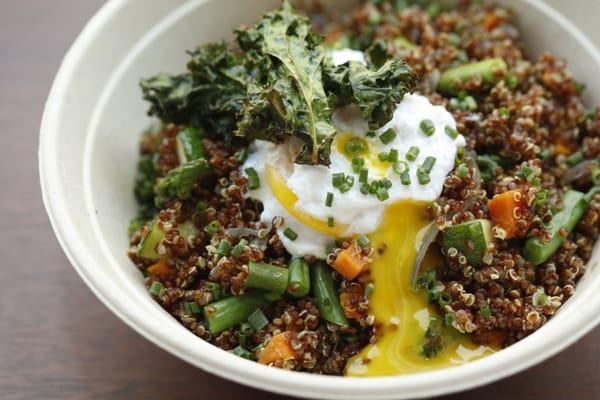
(506, 362)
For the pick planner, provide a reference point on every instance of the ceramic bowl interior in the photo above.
(88, 153)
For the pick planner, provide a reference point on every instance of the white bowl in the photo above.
(88, 151)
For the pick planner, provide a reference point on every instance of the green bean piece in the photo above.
(230, 311)
(326, 296)
(299, 277)
(574, 205)
(189, 145)
(267, 277)
(490, 70)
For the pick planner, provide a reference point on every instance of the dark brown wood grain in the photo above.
(57, 341)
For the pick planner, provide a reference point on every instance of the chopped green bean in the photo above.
(299, 277)
(490, 70)
(326, 296)
(230, 311)
(268, 277)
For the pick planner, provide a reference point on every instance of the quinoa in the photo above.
(536, 105)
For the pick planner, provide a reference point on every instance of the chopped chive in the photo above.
(392, 155)
(338, 179)
(462, 171)
(155, 288)
(354, 146)
(344, 187)
(213, 227)
(405, 177)
(365, 187)
(448, 319)
(238, 248)
(242, 340)
(201, 206)
(412, 153)
(357, 164)
(330, 222)
(192, 307)
(383, 156)
(485, 312)
(382, 194)
(423, 178)
(545, 154)
(258, 320)
(290, 234)
(363, 175)
(387, 136)
(215, 289)
(329, 199)
(453, 133)
(253, 179)
(241, 155)
(399, 167)
(246, 329)
(428, 164)
(385, 182)
(350, 180)
(224, 248)
(369, 289)
(371, 133)
(363, 241)
(242, 352)
(427, 127)
(575, 158)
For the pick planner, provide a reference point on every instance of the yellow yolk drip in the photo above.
(372, 161)
(402, 312)
(287, 198)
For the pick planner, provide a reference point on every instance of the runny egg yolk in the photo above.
(402, 312)
(287, 198)
(361, 149)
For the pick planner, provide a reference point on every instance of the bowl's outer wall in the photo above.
(89, 140)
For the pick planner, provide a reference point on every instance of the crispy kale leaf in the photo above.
(209, 96)
(179, 182)
(280, 86)
(375, 92)
(288, 98)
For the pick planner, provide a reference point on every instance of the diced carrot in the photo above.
(561, 147)
(160, 269)
(502, 211)
(278, 349)
(491, 21)
(350, 262)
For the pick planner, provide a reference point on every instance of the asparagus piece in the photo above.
(490, 70)
(574, 205)
(147, 246)
(325, 293)
(299, 277)
(230, 311)
(471, 238)
(267, 277)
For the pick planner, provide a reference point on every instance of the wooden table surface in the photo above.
(57, 341)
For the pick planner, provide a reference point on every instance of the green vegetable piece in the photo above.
(147, 246)
(230, 311)
(242, 352)
(290, 233)
(189, 145)
(291, 99)
(326, 296)
(155, 288)
(299, 277)
(267, 277)
(488, 165)
(258, 320)
(238, 248)
(180, 181)
(491, 71)
(574, 205)
(188, 231)
(376, 92)
(472, 239)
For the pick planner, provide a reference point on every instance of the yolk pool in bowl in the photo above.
(372, 161)
(402, 313)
